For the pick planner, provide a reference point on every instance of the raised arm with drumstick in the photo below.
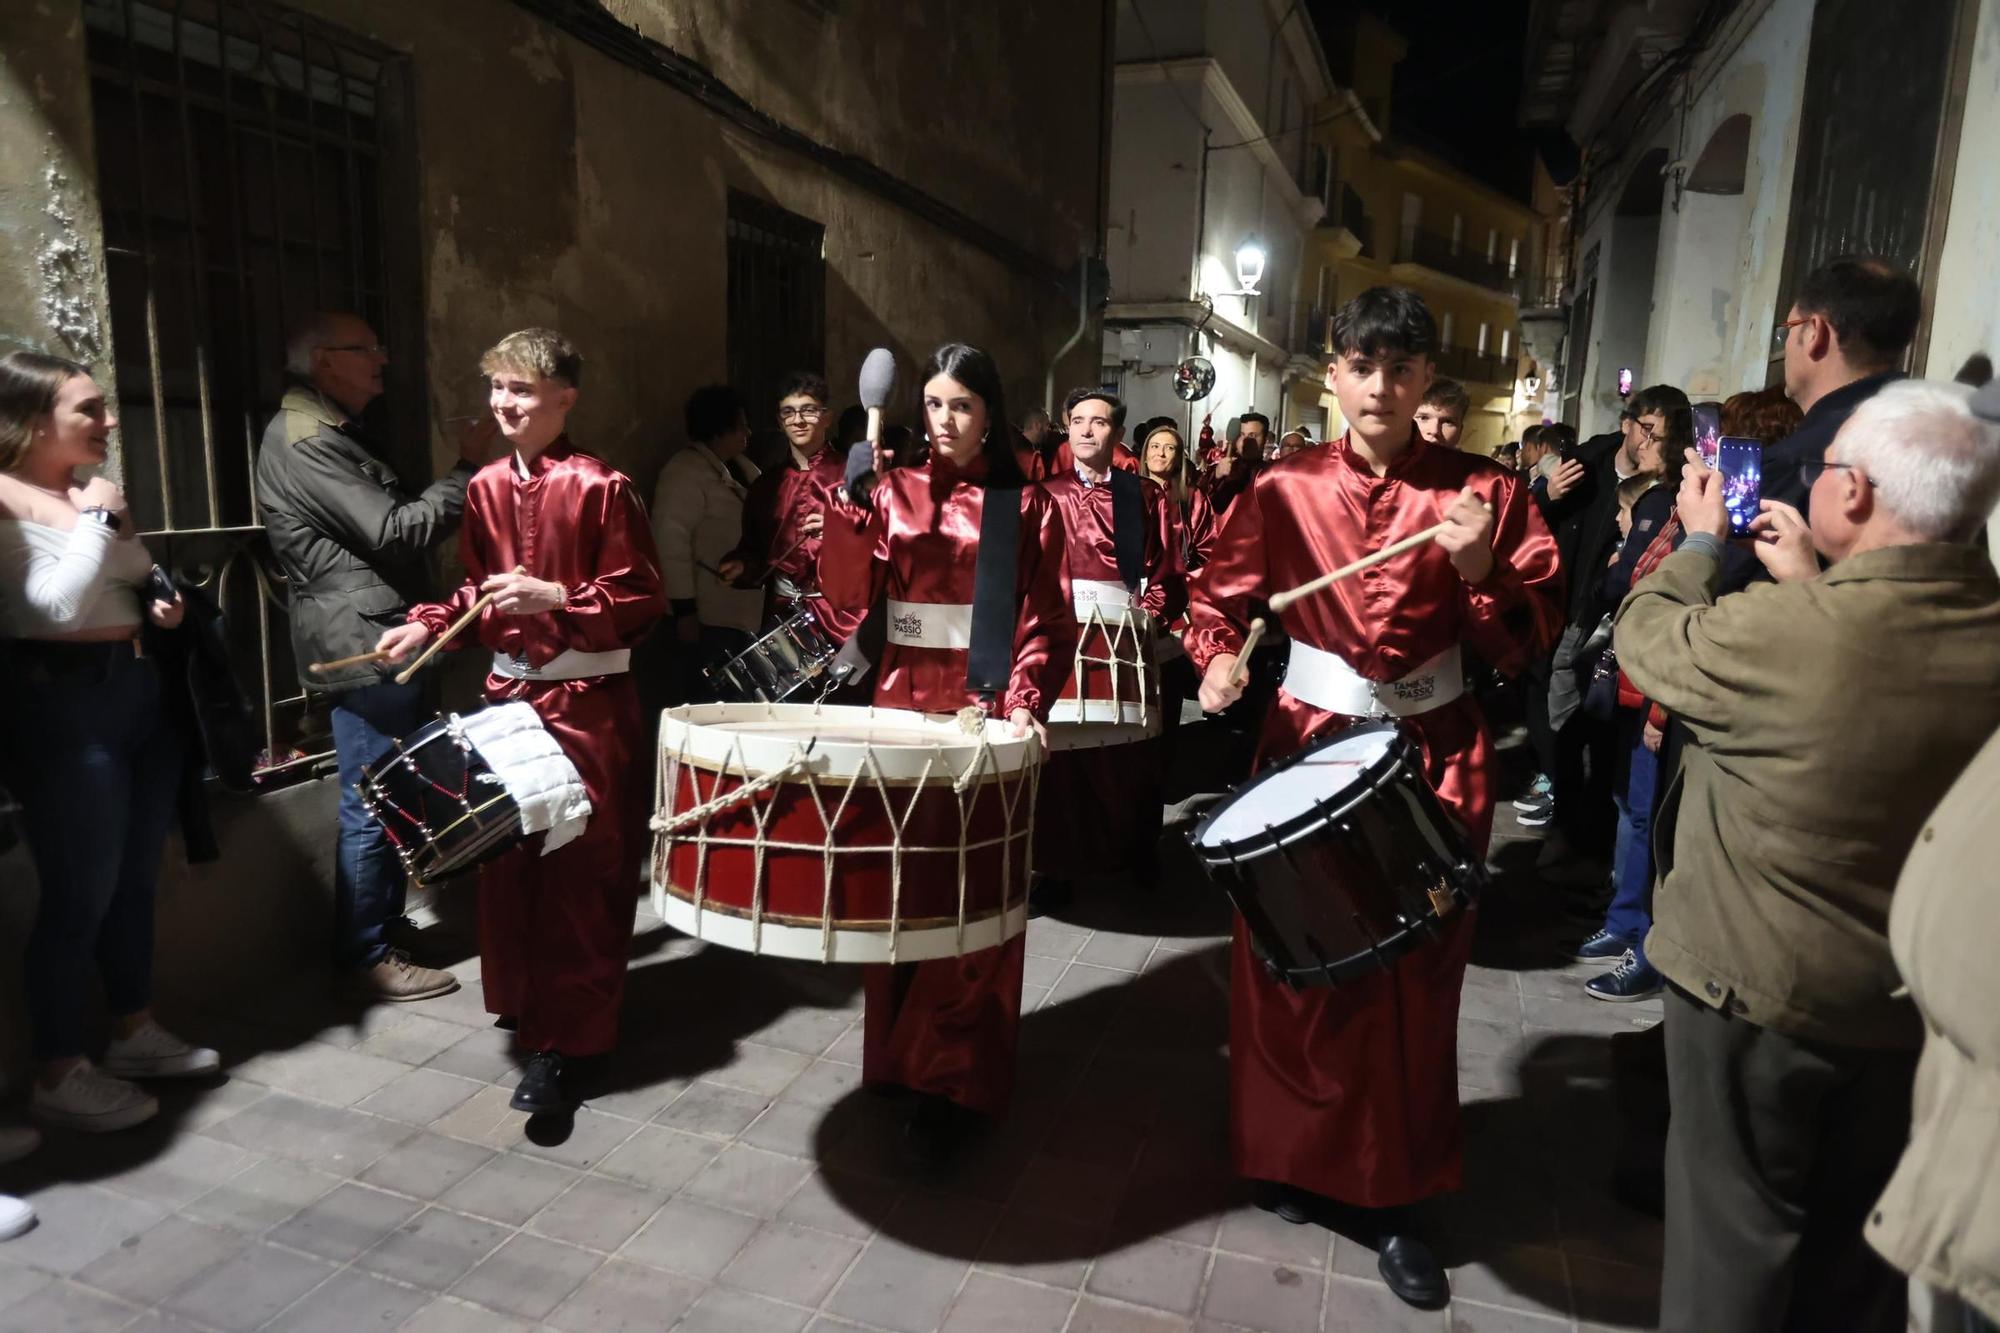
(1385, 556)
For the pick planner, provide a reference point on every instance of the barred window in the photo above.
(776, 306)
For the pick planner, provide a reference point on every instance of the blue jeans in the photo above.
(369, 886)
(95, 762)
(1630, 915)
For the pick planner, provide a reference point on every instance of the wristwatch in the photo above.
(99, 514)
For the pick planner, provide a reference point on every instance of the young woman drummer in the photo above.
(947, 1029)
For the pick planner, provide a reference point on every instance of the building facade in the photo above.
(1398, 215)
(1210, 160)
(1729, 149)
(695, 192)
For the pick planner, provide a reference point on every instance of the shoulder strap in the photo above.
(995, 604)
(1128, 526)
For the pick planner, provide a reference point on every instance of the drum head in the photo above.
(1304, 791)
(898, 744)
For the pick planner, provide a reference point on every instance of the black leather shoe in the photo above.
(1287, 1202)
(1412, 1272)
(541, 1091)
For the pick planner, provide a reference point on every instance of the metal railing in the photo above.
(243, 184)
(1441, 255)
(1349, 212)
(1474, 367)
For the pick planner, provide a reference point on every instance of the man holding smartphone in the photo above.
(355, 546)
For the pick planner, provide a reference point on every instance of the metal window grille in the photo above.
(244, 179)
(776, 304)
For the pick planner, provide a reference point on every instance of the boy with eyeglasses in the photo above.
(784, 511)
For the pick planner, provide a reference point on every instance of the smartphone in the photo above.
(1741, 463)
(1625, 381)
(1707, 431)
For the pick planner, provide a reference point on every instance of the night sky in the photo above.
(1458, 91)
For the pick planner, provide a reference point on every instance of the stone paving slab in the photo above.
(360, 1168)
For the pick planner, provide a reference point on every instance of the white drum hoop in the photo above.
(781, 748)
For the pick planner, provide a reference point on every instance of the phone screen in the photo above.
(1707, 431)
(1741, 463)
(1625, 381)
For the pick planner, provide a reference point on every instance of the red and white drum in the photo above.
(842, 834)
(1112, 696)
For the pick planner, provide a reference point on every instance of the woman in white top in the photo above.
(88, 750)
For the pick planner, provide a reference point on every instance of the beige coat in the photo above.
(1827, 718)
(1939, 1220)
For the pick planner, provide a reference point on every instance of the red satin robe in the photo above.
(555, 931)
(949, 1026)
(1099, 809)
(1210, 506)
(1352, 1091)
(777, 503)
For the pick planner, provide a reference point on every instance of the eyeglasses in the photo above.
(1650, 433)
(1812, 469)
(367, 349)
(806, 414)
(1784, 330)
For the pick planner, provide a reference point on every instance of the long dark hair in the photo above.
(974, 368)
(29, 383)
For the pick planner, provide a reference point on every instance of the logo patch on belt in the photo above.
(909, 626)
(1414, 691)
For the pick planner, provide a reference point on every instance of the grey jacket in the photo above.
(351, 541)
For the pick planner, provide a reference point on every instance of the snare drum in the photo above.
(1112, 695)
(842, 834)
(791, 655)
(1341, 859)
(463, 789)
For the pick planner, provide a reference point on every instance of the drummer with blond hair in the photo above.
(1351, 1093)
(558, 542)
(910, 550)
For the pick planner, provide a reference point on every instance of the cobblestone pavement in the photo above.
(361, 1170)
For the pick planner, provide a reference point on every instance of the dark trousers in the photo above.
(1777, 1149)
(369, 887)
(1586, 757)
(1535, 705)
(95, 761)
(1630, 915)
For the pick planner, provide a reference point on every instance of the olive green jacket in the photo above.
(1825, 719)
(1939, 1219)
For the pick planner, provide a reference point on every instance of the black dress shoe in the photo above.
(1287, 1202)
(541, 1091)
(1412, 1271)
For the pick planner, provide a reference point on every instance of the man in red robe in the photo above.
(560, 540)
(948, 1028)
(1099, 807)
(1352, 1093)
(784, 510)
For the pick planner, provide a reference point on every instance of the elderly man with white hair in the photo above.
(1827, 712)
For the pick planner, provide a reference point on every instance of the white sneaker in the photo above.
(154, 1052)
(94, 1102)
(15, 1216)
(17, 1141)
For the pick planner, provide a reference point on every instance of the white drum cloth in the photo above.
(533, 768)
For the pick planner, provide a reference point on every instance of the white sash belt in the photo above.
(569, 664)
(1114, 603)
(930, 624)
(1325, 680)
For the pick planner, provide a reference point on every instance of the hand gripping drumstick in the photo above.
(1279, 601)
(471, 614)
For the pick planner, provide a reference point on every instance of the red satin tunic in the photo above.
(1352, 1092)
(776, 504)
(555, 931)
(948, 1027)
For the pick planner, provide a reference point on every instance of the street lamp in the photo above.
(1249, 265)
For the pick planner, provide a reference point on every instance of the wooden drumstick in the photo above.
(1281, 600)
(340, 663)
(1241, 671)
(471, 614)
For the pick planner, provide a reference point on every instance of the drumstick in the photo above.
(1281, 600)
(359, 659)
(472, 614)
(1241, 671)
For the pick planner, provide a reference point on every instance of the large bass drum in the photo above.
(1341, 858)
(842, 834)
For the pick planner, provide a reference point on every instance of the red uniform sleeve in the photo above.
(1202, 526)
(617, 603)
(1222, 596)
(1166, 582)
(1045, 636)
(1515, 614)
(853, 558)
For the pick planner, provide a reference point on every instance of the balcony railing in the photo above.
(1439, 254)
(1348, 212)
(1474, 367)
